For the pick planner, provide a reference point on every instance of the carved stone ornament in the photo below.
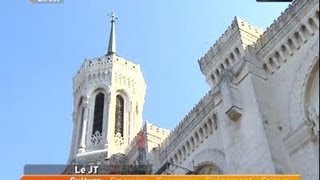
(118, 139)
(313, 118)
(297, 102)
(96, 138)
(234, 113)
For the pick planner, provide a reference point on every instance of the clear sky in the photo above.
(43, 45)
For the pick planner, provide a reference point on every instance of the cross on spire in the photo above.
(113, 16)
(112, 39)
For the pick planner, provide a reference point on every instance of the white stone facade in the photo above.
(261, 114)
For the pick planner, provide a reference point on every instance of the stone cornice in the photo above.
(101, 65)
(220, 52)
(282, 25)
(193, 118)
(238, 28)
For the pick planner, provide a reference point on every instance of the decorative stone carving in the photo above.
(296, 104)
(96, 138)
(313, 118)
(234, 113)
(118, 139)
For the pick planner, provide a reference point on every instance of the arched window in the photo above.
(184, 152)
(238, 52)
(217, 72)
(98, 113)
(265, 67)
(119, 115)
(227, 62)
(298, 37)
(206, 131)
(208, 169)
(197, 140)
(212, 78)
(179, 156)
(291, 44)
(232, 57)
(222, 67)
(192, 144)
(201, 135)
(188, 148)
(175, 157)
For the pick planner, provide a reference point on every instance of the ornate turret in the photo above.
(109, 96)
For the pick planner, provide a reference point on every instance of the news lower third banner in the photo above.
(128, 172)
(79, 169)
(161, 177)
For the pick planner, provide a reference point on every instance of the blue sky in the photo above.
(43, 45)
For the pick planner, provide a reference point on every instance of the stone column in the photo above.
(73, 148)
(82, 146)
(106, 138)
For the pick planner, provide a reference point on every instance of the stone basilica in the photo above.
(261, 114)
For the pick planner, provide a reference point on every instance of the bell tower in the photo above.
(108, 94)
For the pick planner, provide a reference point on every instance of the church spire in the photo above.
(112, 39)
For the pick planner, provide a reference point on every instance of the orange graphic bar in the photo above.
(161, 177)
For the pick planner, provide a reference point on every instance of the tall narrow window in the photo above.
(119, 115)
(98, 113)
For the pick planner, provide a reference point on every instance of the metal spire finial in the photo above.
(112, 39)
(113, 16)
